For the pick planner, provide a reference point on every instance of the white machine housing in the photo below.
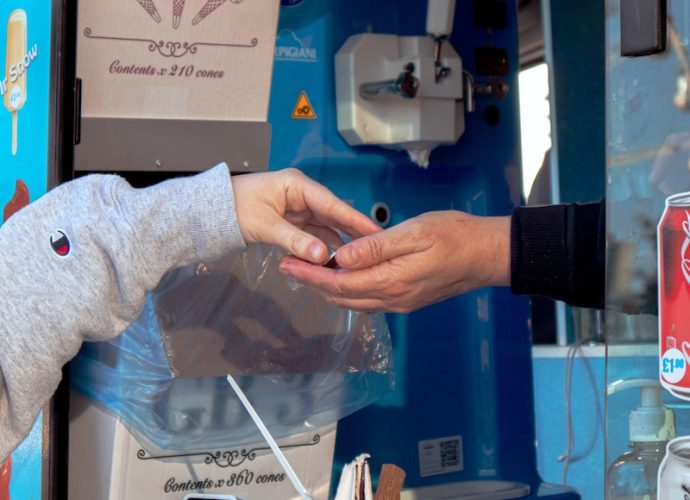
(434, 116)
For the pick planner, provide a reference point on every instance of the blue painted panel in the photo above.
(25, 481)
(30, 165)
(31, 159)
(585, 472)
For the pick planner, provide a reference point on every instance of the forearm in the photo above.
(559, 251)
(122, 241)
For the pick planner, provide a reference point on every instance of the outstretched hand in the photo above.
(288, 209)
(421, 261)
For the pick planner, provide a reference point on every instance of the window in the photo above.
(535, 125)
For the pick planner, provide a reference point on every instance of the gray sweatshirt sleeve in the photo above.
(76, 265)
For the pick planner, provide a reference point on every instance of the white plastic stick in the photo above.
(271, 442)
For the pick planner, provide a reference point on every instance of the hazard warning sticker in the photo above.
(303, 109)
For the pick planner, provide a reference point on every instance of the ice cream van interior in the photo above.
(400, 107)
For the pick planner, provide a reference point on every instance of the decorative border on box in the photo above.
(228, 458)
(170, 48)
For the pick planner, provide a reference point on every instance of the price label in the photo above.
(672, 366)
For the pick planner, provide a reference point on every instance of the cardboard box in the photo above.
(174, 86)
(135, 62)
(106, 462)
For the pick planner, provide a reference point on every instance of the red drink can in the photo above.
(673, 240)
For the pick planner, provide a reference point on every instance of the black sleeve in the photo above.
(559, 251)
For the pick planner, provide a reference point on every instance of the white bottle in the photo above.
(633, 475)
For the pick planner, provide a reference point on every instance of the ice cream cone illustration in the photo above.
(15, 69)
(209, 7)
(151, 9)
(178, 6)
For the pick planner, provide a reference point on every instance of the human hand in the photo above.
(288, 209)
(413, 264)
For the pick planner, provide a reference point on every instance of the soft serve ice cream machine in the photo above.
(361, 95)
(402, 92)
(407, 93)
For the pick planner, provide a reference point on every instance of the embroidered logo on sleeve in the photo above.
(60, 243)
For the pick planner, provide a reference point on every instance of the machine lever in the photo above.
(406, 85)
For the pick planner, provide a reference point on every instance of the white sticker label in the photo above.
(673, 366)
(440, 456)
(15, 96)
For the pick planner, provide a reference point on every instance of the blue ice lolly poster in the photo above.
(25, 86)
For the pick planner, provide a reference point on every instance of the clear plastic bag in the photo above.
(302, 362)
